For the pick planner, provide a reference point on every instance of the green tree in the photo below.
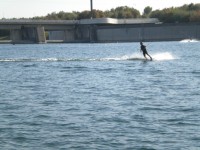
(195, 17)
(84, 15)
(185, 13)
(147, 11)
(98, 14)
(122, 12)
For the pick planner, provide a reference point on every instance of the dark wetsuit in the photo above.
(144, 50)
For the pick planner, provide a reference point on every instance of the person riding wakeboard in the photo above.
(144, 50)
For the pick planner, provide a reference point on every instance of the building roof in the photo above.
(83, 21)
(119, 21)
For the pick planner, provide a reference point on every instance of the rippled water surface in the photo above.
(100, 96)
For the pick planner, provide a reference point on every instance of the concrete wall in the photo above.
(69, 35)
(28, 35)
(77, 34)
(175, 32)
(118, 34)
(56, 35)
(127, 33)
(40, 34)
(104, 32)
(15, 35)
(154, 32)
(65, 36)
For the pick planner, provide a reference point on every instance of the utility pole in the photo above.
(91, 27)
(91, 7)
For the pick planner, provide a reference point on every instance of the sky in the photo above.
(31, 8)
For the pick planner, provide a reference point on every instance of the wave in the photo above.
(39, 59)
(163, 56)
(133, 57)
(189, 40)
(156, 57)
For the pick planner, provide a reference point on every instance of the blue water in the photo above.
(100, 96)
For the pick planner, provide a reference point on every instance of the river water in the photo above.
(100, 96)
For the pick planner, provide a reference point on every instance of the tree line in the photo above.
(119, 12)
(185, 13)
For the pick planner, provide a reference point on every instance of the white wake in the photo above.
(189, 40)
(156, 57)
(133, 57)
(163, 56)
